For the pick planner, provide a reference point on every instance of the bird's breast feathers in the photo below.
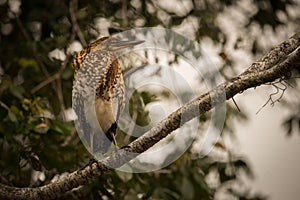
(106, 112)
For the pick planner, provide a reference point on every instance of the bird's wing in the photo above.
(118, 90)
(84, 87)
(82, 126)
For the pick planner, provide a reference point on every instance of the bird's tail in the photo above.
(102, 142)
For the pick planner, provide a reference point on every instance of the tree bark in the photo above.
(276, 64)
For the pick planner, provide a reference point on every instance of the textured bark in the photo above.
(277, 64)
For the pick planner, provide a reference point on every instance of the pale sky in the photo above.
(272, 155)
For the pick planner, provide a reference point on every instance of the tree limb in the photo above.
(277, 64)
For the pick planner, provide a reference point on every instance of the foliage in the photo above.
(35, 92)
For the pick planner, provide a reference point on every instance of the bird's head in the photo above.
(105, 44)
(112, 44)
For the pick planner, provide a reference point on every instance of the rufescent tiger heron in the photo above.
(98, 91)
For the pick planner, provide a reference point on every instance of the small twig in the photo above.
(45, 82)
(287, 83)
(295, 77)
(70, 138)
(29, 40)
(124, 14)
(236, 104)
(131, 71)
(57, 75)
(75, 29)
(73, 6)
(278, 89)
(60, 98)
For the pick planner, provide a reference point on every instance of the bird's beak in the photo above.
(117, 45)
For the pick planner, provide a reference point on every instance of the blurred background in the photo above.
(256, 155)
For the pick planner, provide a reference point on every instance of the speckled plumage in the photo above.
(98, 93)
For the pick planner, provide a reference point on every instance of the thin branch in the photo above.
(131, 71)
(176, 119)
(276, 55)
(237, 107)
(54, 77)
(55, 85)
(270, 99)
(33, 46)
(288, 84)
(285, 85)
(60, 97)
(73, 7)
(50, 79)
(75, 29)
(124, 14)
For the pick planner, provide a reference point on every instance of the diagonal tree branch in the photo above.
(277, 64)
(277, 55)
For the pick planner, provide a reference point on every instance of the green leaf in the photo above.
(17, 91)
(12, 117)
(148, 97)
(59, 127)
(41, 128)
(36, 107)
(15, 114)
(4, 105)
(82, 13)
(124, 176)
(28, 62)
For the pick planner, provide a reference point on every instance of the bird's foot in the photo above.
(92, 160)
(125, 147)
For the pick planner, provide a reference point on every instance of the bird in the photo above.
(98, 92)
